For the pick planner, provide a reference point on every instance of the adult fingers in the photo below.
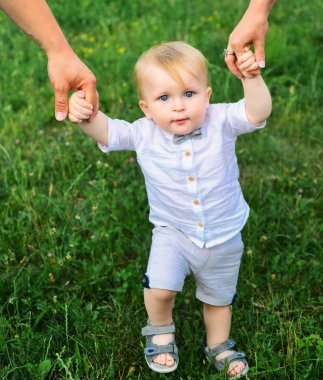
(255, 72)
(234, 44)
(259, 46)
(61, 107)
(92, 96)
(230, 60)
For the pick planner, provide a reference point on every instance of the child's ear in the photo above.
(144, 108)
(208, 93)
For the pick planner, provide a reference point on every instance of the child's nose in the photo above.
(178, 104)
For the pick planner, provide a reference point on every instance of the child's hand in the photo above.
(78, 108)
(247, 62)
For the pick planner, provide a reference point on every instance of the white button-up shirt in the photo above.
(192, 186)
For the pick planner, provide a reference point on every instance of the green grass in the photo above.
(74, 230)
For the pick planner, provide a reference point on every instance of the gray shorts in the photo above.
(173, 256)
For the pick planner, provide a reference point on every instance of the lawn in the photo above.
(74, 229)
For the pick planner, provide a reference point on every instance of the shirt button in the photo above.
(196, 202)
(187, 154)
(200, 224)
(191, 178)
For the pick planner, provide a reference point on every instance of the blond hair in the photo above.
(171, 57)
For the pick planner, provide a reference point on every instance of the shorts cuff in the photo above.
(148, 282)
(159, 285)
(217, 300)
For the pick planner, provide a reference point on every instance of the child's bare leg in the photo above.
(159, 305)
(217, 321)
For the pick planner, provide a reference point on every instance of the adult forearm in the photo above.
(258, 99)
(262, 6)
(35, 18)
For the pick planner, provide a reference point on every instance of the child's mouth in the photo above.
(180, 121)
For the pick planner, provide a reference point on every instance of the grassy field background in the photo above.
(74, 230)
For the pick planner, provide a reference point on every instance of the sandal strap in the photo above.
(221, 348)
(155, 349)
(236, 356)
(157, 330)
(152, 350)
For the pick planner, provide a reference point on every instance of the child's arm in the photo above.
(256, 93)
(80, 110)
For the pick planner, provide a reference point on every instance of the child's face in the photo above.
(176, 107)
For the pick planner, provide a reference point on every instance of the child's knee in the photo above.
(161, 294)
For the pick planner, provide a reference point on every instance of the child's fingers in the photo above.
(85, 104)
(78, 97)
(253, 67)
(74, 119)
(81, 115)
(76, 107)
(76, 101)
(246, 65)
(245, 57)
(80, 94)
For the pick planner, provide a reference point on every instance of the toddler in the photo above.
(186, 150)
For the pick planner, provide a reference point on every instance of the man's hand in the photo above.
(67, 72)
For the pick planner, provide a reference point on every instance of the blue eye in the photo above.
(188, 94)
(164, 98)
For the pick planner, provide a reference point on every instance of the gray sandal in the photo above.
(152, 350)
(224, 363)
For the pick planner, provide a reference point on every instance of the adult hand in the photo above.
(67, 72)
(252, 29)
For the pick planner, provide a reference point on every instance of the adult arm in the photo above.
(252, 29)
(65, 70)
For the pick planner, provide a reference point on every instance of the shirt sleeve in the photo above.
(236, 119)
(122, 135)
